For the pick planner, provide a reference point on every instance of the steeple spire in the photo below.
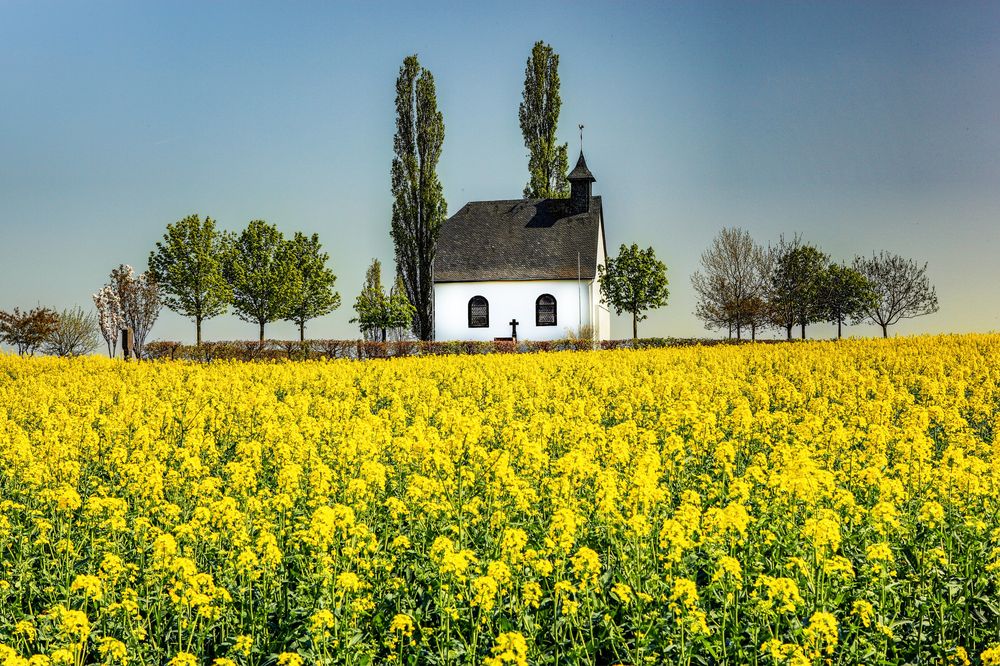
(580, 180)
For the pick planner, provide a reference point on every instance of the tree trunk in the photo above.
(838, 329)
(753, 332)
(803, 325)
(261, 331)
(302, 331)
(739, 331)
(788, 331)
(635, 327)
(197, 331)
(885, 331)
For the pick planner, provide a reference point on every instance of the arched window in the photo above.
(545, 310)
(479, 312)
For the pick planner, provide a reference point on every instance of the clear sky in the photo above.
(863, 126)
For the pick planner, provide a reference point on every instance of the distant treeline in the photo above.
(744, 287)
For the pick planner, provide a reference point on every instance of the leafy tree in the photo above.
(844, 294)
(635, 281)
(187, 264)
(795, 283)
(732, 284)
(548, 162)
(378, 312)
(901, 289)
(418, 208)
(27, 331)
(261, 273)
(314, 295)
(138, 302)
(75, 334)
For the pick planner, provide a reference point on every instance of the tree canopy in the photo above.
(26, 331)
(188, 264)
(136, 297)
(548, 162)
(795, 284)
(733, 282)
(378, 312)
(900, 287)
(74, 334)
(418, 208)
(262, 274)
(844, 294)
(313, 295)
(635, 281)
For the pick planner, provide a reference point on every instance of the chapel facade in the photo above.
(528, 265)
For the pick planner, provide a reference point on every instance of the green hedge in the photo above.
(270, 350)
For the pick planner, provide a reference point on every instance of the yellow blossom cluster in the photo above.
(791, 504)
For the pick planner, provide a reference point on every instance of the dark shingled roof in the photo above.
(521, 239)
(580, 171)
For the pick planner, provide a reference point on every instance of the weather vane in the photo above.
(581, 137)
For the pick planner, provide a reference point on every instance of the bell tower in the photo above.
(580, 180)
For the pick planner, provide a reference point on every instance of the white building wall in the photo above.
(601, 314)
(514, 300)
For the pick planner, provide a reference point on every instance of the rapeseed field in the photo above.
(807, 503)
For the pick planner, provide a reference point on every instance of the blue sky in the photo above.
(862, 126)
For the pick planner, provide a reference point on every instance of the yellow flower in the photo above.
(90, 586)
(349, 582)
(822, 632)
(320, 623)
(991, 656)
(73, 626)
(243, 645)
(728, 568)
(531, 592)
(864, 610)
(931, 514)
(402, 624)
(586, 566)
(684, 595)
(183, 659)
(781, 594)
(509, 648)
(25, 629)
(63, 657)
(484, 592)
(824, 532)
(622, 592)
(289, 659)
(112, 649)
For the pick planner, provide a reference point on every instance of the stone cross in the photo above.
(513, 328)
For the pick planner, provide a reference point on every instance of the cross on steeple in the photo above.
(581, 138)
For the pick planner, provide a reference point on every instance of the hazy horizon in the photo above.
(861, 126)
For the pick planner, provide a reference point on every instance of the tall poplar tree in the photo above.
(548, 163)
(187, 264)
(419, 208)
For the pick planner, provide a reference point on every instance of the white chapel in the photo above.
(524, 268)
